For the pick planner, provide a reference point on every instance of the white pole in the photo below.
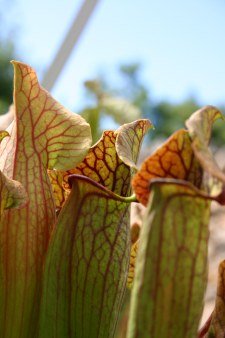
(68, 44)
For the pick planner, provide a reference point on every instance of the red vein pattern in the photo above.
(171, 271)
(174, 159)
(101, 164)
(108, 162)
(199, 127)
(87, 264)
(44, 135)
(129, 140)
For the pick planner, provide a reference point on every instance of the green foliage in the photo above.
(170, 117)
(6, 54)
(66, 245)
(106, 104)
(167, 117)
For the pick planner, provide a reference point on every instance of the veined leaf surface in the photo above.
(87, 263)
(129, 141)
(199, 127)
(44, 135)
(171, 270)
(185, 155)
(174, 159)
(109, 162)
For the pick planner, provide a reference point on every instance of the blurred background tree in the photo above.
(131, 100)
(165, 113)
(6, 71)
(107, 104)
(7, 53)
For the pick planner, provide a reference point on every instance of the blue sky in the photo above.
(180, 43)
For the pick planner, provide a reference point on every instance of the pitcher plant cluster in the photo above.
(66, 254)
